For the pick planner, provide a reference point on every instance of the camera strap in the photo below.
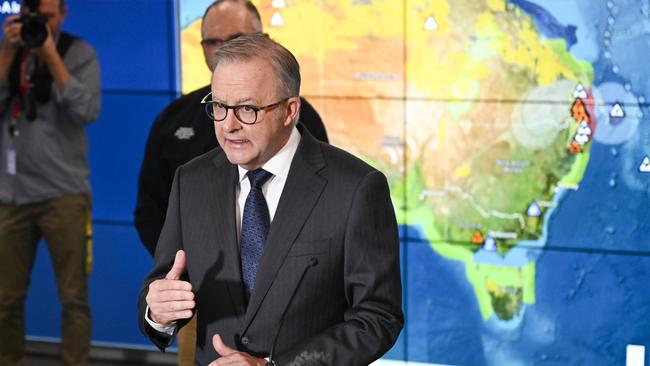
(23, 82)
(37, 88)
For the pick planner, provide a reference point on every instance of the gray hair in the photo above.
(257, 45)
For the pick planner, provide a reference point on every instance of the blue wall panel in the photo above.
(121, 263)
(134, 40)
(116, 147)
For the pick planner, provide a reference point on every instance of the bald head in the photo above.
(224, 20)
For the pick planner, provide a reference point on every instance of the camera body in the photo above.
(34, 29)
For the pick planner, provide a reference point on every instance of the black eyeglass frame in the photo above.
(209, 109)
(212, 42)
(218, 42)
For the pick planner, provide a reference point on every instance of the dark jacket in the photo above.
(328, 283)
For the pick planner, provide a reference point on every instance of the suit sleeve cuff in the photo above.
(167, 329)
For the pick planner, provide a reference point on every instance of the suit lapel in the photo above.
(299, 195)
(224, 182)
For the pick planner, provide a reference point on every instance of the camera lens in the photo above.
(33, 32)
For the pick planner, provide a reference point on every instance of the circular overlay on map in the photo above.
(617, 118)
(538, 117)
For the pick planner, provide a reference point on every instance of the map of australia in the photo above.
(484, 116)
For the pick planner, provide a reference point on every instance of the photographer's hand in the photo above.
(11, 29)
(10, 43)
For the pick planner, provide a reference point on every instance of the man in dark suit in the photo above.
(182, 131)
(285, 247)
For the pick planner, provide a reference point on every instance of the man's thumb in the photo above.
(220, 347)
(178, 268)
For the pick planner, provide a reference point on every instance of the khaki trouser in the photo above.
(62, 222)
(187, 343)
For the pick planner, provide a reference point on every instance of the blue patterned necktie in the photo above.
(254, 228)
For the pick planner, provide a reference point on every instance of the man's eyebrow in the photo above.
(238, 102)
(244, 100)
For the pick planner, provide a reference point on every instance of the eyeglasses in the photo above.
(216, 42)
(245, 113)
(212, 42)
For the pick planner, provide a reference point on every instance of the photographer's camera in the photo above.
(34, 29)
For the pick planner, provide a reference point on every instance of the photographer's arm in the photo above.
(76, 81)
(7, 54)
(8, 48)
(52, 59)
(10, 44)
(6, 58)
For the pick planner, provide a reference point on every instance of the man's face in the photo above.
(223, 22)
(55, 15)
(252, 82)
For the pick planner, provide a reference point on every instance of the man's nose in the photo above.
(231, 123)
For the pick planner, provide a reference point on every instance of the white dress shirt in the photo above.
(279, 166)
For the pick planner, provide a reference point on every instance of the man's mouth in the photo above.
(236, 142)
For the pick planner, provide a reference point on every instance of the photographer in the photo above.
(49, 92)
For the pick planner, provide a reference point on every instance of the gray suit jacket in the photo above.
(333, 241)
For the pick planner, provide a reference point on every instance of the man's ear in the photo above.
(64, 13)
(293, 109)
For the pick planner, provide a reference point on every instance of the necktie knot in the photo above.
(258, 177)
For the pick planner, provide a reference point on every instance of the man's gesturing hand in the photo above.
(171, 299)
(230, 356)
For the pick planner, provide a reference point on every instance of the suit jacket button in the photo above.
(245, 340)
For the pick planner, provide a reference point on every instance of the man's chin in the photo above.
(237, 158)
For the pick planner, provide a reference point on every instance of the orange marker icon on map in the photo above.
(477, 238)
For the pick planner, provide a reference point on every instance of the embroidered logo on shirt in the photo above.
(184, 133)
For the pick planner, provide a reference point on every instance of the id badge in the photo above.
(11, 162)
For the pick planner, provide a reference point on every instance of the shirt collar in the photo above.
(280, 163)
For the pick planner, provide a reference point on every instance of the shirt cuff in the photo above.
(73, 90)
(167, 329)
